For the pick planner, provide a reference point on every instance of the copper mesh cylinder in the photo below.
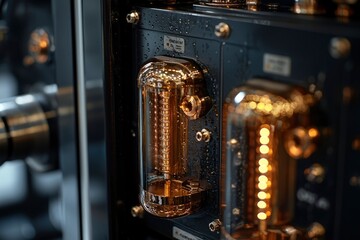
(172, 92)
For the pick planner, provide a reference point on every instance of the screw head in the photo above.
(133, 17)
(222, 30)
(339, 47)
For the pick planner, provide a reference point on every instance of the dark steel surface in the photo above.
(95, 65)
(231, 61)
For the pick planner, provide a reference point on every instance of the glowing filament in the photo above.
(261, 216)
(313, 132)
(264, 149)
(43, 44)
(260, 106)
(268, 107)
(263, 169)
(264, 140)
(264, 132)
(264, 182)
(262, 195)
(262, 185)
(252, 105)
(263, 162)
(261, 204)
(263, 178)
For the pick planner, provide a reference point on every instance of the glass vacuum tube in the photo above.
(258, 182)
(172, 92)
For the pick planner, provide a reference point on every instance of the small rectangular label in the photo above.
(174, 44)
(277, 64)
(182, 235)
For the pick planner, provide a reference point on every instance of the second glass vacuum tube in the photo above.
(262, 122)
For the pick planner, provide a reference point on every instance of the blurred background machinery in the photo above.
(214, 119)
(45, 152)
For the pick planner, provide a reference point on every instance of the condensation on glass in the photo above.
(172, 92)
(266, 128)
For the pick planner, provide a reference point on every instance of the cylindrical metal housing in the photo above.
(24, 130)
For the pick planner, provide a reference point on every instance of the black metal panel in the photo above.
(306, 41)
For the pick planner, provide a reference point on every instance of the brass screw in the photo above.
(137, 211)
(133, 17)
(339, 47)
(222, 30)
(215, 225)
(316, 230)
(315, 173)
(191, 106)
(203, 135)
(39, 47)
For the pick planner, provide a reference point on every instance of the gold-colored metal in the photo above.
(169, 2)
(315, 173)
(339, 47)
(215, 225)
(259, 157)
(172, 93)
(344, 11)
(315, 231)
(253, 5)
(40, 46)
(292, 233)
(285, 233)
(133, 17)
(137, 211)
(345, 8)
(222, 30)
(222, 3)
(194, 107)
(203, 135)
(301, 142)
(309, 7)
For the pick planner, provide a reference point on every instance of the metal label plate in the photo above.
(183, 235)
(174, 44)
(277, 64)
